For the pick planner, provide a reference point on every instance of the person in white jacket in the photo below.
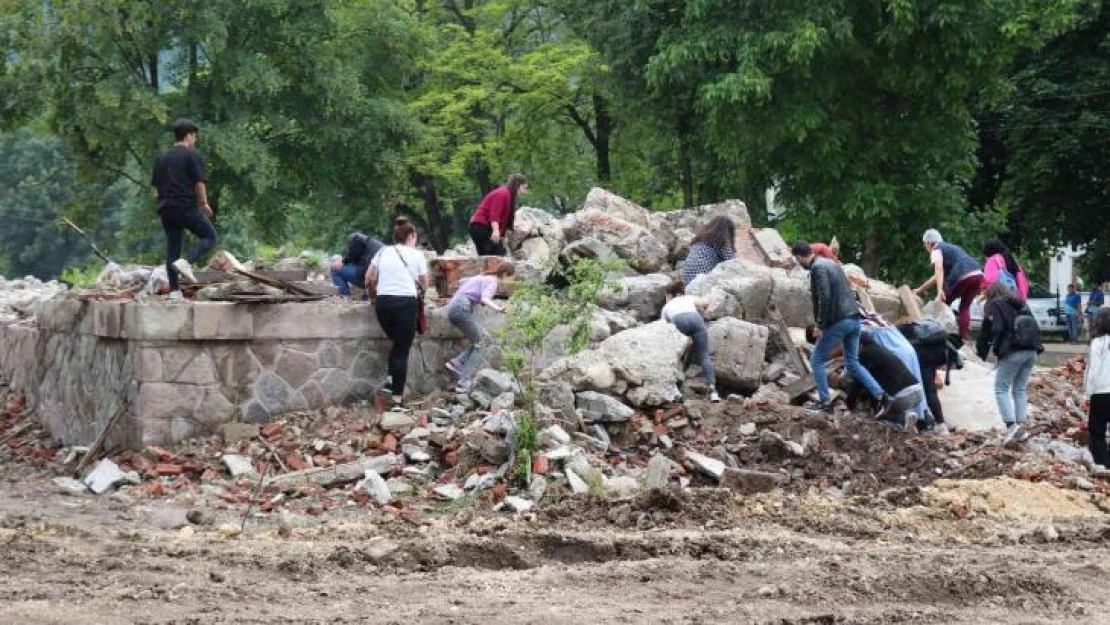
(1096, 386)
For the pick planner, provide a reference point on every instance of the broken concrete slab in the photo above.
(578, 486)
(107, 475)
(70, 486)
(450, 492)
(710, 466)
(518, 504)
(235, 432)
(397, 422)
(658, 472)
(598, 407)
(749, 482)
(339, 474)
(377, 487)
(239, 466)
(737, 349)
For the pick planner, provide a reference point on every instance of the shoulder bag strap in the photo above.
(419, 287)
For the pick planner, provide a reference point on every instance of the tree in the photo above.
(1044, 148)
(292, 96)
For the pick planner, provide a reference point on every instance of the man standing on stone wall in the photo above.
(181, 182)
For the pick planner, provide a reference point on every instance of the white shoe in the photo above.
(176, 295)
(184, 269)
(714, 397)
(1011, 433)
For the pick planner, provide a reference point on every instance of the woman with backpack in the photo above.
(1001, 266)
(1096, 386)
(1010, 328)
(395, 282)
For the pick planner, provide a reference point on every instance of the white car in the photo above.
(1047, 308)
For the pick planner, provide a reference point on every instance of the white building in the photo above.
(1061, 270)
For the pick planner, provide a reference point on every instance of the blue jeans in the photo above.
(1073, 327)
(344, 277)
(460, 312)
(1010, 380)
(693, 326)
(844, 332)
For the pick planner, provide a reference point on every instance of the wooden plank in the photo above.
(865, 299)
(94, 449)
(215, 277)
(910, 304)
(792, 350)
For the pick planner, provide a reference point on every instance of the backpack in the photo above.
(1008, 279)
(1026, 333)
(927, 332)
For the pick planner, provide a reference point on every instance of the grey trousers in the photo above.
(461, 315)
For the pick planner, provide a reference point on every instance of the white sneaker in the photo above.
(184, 269)
(176, 295)
(714, 397)
(1011, 433)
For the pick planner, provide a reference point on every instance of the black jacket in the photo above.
(998, 327)
(360, 251)
(833, 298)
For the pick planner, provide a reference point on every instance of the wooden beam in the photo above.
(911, 305)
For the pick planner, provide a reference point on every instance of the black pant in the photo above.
(929, 383)
(1096, 427)
(397, 316)
(175, 223)
(481, 235)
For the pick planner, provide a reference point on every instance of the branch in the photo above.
(582, 123)
(464, 21)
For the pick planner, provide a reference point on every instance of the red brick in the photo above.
(208, 475)
(295, 462)
(162, 455)
(271, 430)
(168, 469)
(499, 492)
(422, 419)
(389, 443)
(451, 458)
(155, 489)
(540, 464)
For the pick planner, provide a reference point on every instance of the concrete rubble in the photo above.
(623, 416)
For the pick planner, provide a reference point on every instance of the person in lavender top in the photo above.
(460, 312)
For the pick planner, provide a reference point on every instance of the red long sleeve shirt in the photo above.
(496, 207)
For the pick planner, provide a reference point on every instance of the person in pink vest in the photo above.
(1001, 266)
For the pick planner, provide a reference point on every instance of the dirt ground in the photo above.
(1019, 553)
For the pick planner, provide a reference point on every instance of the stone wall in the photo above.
(180, 370)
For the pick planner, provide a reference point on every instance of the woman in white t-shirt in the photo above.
(684, 311)
(394, 280)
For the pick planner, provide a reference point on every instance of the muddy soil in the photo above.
(699, 557)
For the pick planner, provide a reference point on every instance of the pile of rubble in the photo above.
(19, 298)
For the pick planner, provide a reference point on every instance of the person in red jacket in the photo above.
(494, 217)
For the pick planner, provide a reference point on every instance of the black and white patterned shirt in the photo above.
(702, 258)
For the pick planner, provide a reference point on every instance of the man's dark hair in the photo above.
(1102, 323)
(183, 128)
(677, 288)
(801, 248)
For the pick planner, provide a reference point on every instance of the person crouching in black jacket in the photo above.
(351, 269)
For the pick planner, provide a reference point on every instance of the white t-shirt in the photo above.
(393, 277)
(679, 305)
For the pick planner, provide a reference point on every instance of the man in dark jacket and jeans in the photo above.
(838, 323)
(182, 186)
(351, 267)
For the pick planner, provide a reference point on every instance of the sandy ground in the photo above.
(1023, 553)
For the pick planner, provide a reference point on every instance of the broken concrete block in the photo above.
(710, 466)
(235, 432)
(380, 550)
(107, 475)
(450, 492)
(416, 453)
(658, 471)
(239, 466)
(773, 446)
(518, 504)
(554, 436)
(70, 486)
(397, 422)
(577, 485)
(537, 487)
(622, 485)
(750, 482)
(377, 487)
(737, 349)
(328, 476)
(598, 407)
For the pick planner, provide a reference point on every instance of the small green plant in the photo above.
(80, 278)
(535, 310)
(595, 482)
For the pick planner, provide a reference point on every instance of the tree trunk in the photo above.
(426, 187)
(871, 261)
(604, 129)
(685, 164)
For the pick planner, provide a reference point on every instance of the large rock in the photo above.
(598, 407)
(683, 224)
(534, 223)
(635, 244)
(748, 287)
(644, 296)
(737, 349)
(644, 364)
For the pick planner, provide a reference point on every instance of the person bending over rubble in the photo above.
(493, 219)
(897, 380)
(955, 274)
(714, 244)
(460, 312)
(351, 268)
(1096, 386)
(929, 341)
(830, 251)
(182, 184)
(394, 282)
(838, 324)
(684, 311)
(891, 339)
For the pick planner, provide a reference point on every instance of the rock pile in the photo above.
(19, 299)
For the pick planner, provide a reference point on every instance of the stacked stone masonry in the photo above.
(181, 370)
